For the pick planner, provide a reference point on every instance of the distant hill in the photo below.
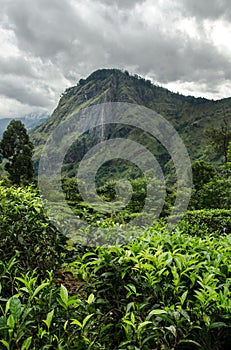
(189, 115)
(30, 121)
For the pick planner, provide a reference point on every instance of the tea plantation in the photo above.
(162, 290)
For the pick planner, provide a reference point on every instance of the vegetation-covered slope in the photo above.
(190, 116)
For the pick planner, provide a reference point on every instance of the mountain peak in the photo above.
(122, 86)
(189, 115)
(104, 73)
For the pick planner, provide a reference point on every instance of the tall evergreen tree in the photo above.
(16, 149)
(219, 137)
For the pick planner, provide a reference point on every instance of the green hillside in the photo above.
(190, 116)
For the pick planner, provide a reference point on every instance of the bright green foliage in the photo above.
(229, 152)
(165, 290)
(25, 228)
(162, 291)
(16, 148)
(139, 199)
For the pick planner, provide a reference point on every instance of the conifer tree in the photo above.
(16, 149)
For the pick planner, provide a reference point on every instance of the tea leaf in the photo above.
(15, 308)
(49, 318)
(86, 319)
(90, 298)
(7, 345)
(26, 343)
(39, 288)
(64, 294)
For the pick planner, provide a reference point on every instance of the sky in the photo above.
(48, 45)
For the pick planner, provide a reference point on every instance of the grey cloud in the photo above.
(48, 28)
(172, 57)
(122, 3)
(56, 31)
(75, 43)
(16, 66)
(207, 9)
(21, 92)
(39, 27)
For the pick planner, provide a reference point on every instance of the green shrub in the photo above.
(203, 222)
(162, 291)
(25, 228)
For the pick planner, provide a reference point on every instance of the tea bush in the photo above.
(24, 228)
(162, 291)
(201, 222)
(165, 290)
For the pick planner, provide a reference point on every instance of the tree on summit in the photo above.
(16, 149)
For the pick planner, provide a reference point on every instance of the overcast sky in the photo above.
(48, 45)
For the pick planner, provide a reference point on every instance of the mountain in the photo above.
(190, 116)
(30, 121)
